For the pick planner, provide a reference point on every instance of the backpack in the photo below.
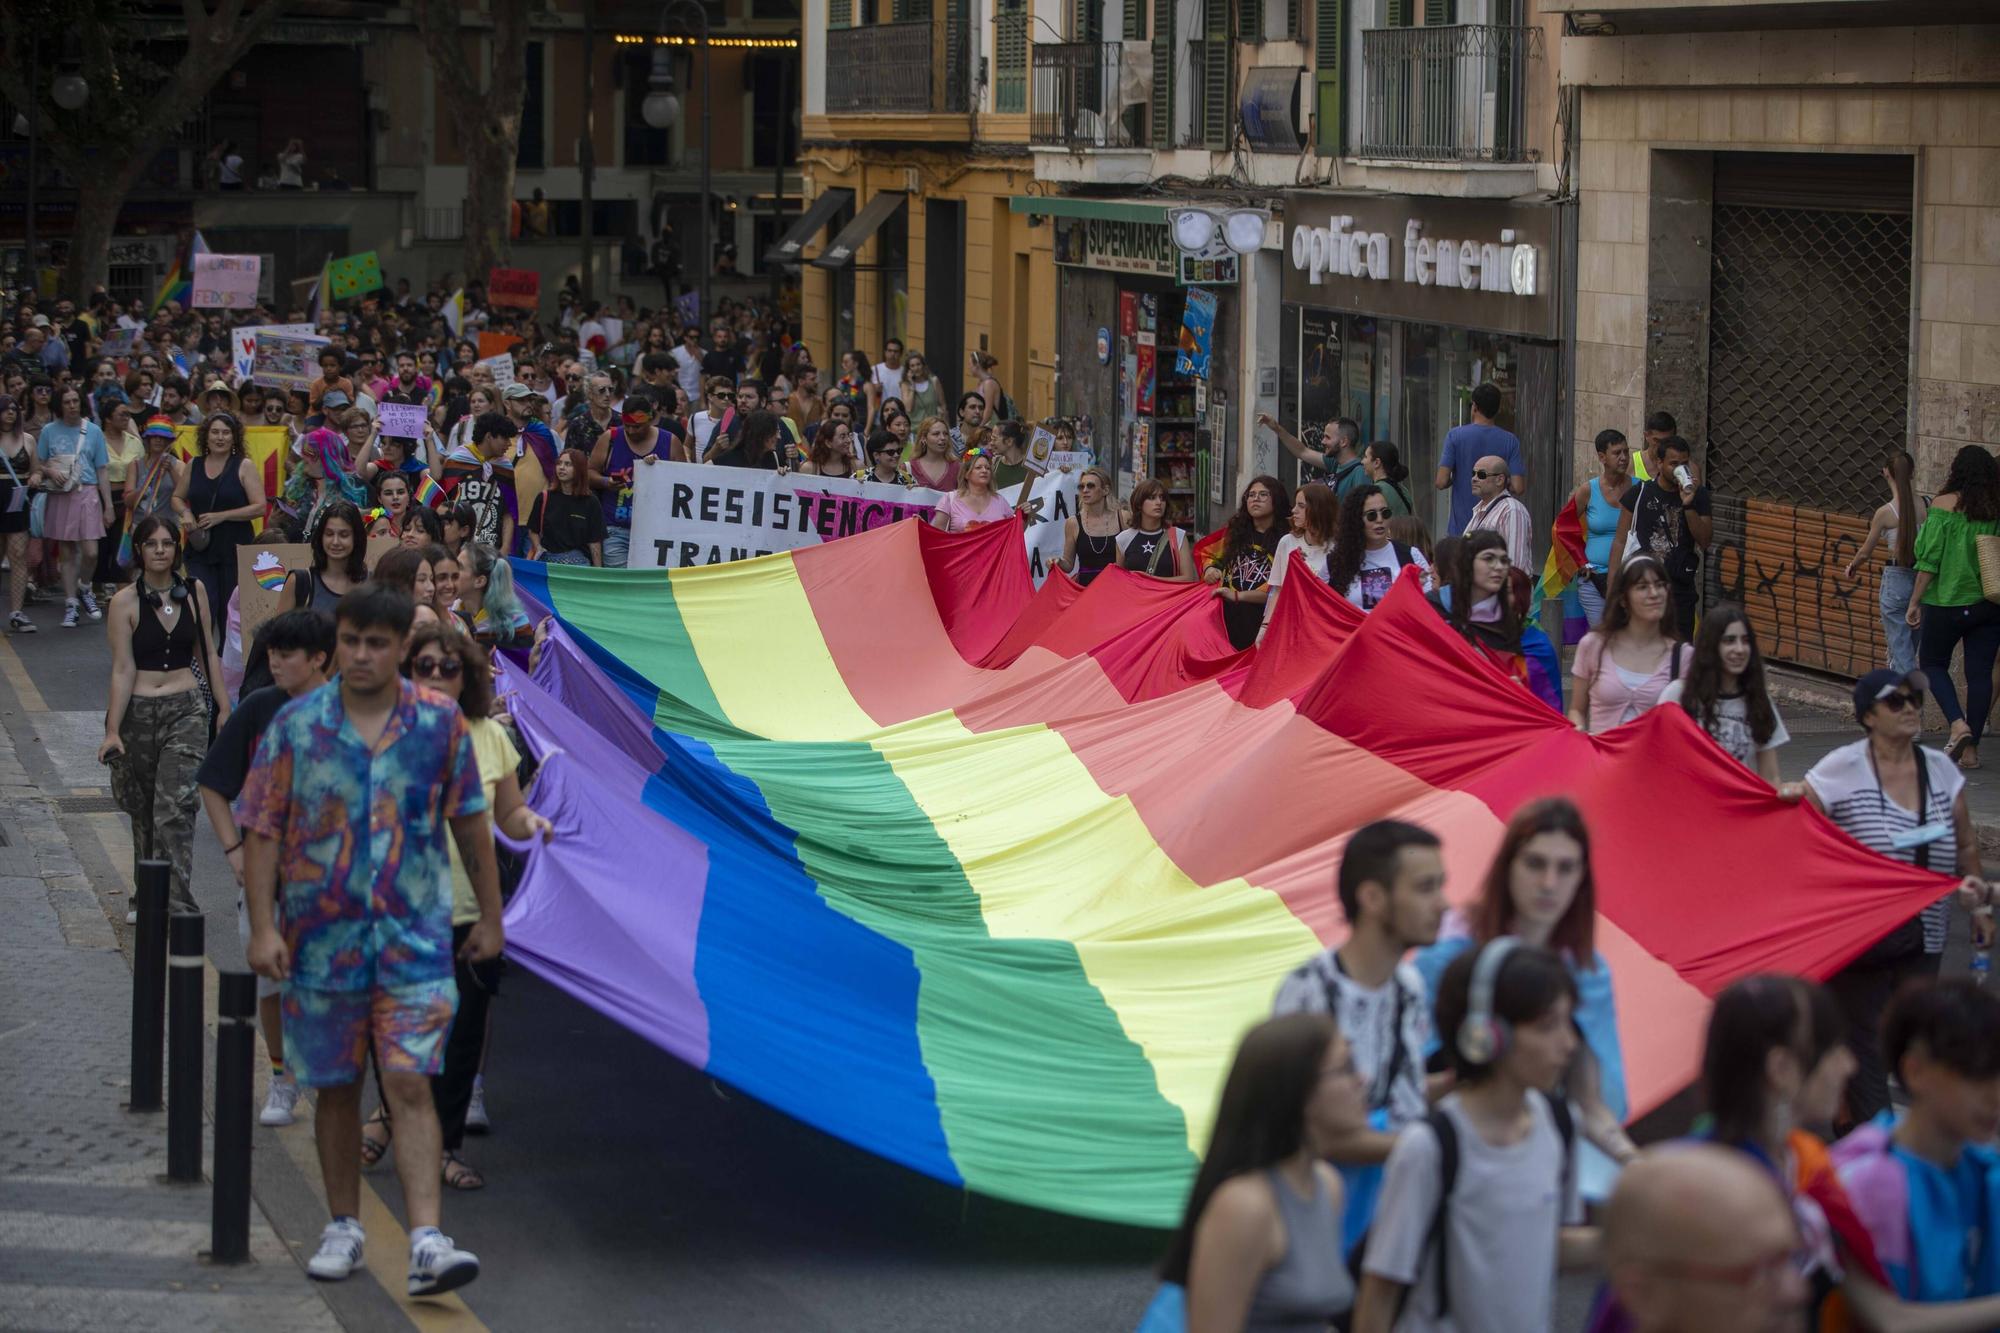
(1435, 1238)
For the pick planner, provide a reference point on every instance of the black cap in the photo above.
(1882, 682)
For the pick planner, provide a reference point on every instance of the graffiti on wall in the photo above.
(1782, 564)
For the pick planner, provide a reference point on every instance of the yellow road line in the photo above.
(388, 1262)
(23, 685)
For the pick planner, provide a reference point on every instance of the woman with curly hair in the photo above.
(1241, 570)
(1948, 603)
(1367, 558)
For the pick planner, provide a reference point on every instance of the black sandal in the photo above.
(459, 1174)
(372, 1149)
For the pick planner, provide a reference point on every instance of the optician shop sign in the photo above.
(1464, 263)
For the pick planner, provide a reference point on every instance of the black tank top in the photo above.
(1093, 554)
(156, 646)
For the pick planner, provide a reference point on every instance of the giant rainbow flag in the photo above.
(989, 880)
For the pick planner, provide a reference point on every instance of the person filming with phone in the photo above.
(1669, 518)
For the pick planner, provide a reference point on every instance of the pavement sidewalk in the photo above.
(90, 1236)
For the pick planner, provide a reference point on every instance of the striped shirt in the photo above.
(1847, 786)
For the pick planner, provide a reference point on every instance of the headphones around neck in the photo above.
(158, 599)
(1484, 1036)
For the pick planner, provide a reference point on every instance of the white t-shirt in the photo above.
(1368, 1019)
(689, 372)
(1507, 1207)
(291, 168)
(891, 382)
(1378, 574)
(232, 169)
(1732, 724)
(1315, 557)
(1852, 796)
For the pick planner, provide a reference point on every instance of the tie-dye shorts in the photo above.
(327, 1033)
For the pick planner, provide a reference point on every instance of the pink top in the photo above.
(959, 511)
(1618, 695)
(920, 468)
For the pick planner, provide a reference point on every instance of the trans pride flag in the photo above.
(989, 880)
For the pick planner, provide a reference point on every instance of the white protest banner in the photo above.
(243, 342)
(405, 421)
(1074, 459)
(224, 282)
(502, 367)
(286, 362)
(687, 514)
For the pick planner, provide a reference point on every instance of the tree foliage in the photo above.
(483, 99)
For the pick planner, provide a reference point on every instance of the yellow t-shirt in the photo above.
(123, 451)
(494, 751)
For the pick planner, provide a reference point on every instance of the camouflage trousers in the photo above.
(153, 782)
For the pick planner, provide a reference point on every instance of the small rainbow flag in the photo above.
(178, 286)
(1208, 550)
(429, 494)
(1559, 571)
(269, 571)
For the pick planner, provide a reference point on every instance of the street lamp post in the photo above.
(662, 108)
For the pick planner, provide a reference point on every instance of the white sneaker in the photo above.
(437, 1265)
(339, 1250)
(69, 615)
(90, 605)
(475, 1110)
(278, 1102)
(20, 624)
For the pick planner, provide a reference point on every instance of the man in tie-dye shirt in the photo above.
(345, 814)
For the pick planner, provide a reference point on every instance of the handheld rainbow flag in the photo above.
(429, 494)
(178, 285)
(1559, 571)
(990, 880)
(1209, 549)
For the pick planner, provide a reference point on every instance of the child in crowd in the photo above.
(1926, 1183)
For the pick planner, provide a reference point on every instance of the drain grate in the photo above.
(86, 805)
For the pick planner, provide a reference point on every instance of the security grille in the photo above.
(1808, 353)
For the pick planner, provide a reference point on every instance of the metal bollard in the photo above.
(235, 1054)
(184, 1015)
(149, 985)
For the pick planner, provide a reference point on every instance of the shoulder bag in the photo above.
(1907, 939)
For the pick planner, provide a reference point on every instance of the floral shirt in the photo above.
(364, 879)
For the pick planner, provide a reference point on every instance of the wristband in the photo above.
(237, 846)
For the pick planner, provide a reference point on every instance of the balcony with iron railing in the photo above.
(917, 67)
(1077, 98)
(1449, 93)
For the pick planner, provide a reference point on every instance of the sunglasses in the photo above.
(1375, 515)
(1486, 476)
(1898, 700)
(437, 668)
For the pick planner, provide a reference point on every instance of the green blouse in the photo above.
(1947, 551)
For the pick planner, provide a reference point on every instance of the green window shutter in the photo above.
(1398, 15)
(1010, 56)
(1163, 73)
(839, 13)
(1217, 59)
(1329, 82)
(1292, 19)
(1250, 20)
(1135, 20)
(1086, 21)
(1440, 12)
(905, 11)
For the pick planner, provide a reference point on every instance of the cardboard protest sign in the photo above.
(502, 368)
(1041, 448)
(405, 421)
(225, 282)
(260, 580)
(285, 361)
(520, 288)
(243, 343)
(354, 275)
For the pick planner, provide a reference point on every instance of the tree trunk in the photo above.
(490, 150)
(100, 195)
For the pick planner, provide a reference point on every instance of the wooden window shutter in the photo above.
(1217, 59)
(1250, 20)
(839, 13)
(1398, 14)
(1163, 72)
(1086, 22)
(1329, 85)
(1135, 20)
(1437, 13)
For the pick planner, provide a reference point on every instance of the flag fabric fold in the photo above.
(1559, 572)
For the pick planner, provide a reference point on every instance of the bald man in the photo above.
(1700, 1239)
(1497, 509)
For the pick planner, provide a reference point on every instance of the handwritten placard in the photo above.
(225, 282)
(405, 421)
(502, 368)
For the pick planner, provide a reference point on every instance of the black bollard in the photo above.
(235, 1053)
(149, 985)
(184, 1015)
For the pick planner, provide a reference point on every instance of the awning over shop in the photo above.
(787, 250)
(840, 252)
(1068, 206)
